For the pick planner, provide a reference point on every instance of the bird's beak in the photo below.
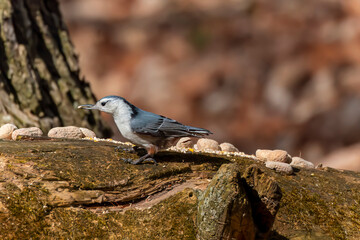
(87, 106)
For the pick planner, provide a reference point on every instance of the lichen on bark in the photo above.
(77, 189)
(39, 71)
(224, 210)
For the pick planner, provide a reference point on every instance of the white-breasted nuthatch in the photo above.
(142, 128)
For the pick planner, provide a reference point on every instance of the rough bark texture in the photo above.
(39, 72)
(80, 189)
(264, 196)
(224, 206)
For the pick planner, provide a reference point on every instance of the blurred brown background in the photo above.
(259, 74)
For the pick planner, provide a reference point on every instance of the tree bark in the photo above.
(39, 71)
(76, 189)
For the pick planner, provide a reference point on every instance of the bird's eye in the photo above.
(103, 103)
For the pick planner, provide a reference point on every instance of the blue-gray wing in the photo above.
(159, 126)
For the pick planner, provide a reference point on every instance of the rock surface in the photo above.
(66, 132)
(273, 155)
(185, 142)
(31, 132)
(6, 131)
(299, 162)
(280, 167)
(228, 147)
(87, 133)
(204, 144)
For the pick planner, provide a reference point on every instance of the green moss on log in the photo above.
(31, 217)
(319, 203)
(224, 210)
(62, 173)
(26, 212)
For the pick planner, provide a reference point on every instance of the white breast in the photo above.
(122, 120)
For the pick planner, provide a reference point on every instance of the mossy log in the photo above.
(224, 206)
(78, 189)
(39, 72)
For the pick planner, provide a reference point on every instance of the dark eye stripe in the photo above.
(103, 103)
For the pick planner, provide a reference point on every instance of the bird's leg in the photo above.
(147, 157)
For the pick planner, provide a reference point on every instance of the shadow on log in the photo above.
(264, 195)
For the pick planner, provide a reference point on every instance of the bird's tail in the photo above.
(198, 132)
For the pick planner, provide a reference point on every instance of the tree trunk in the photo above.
(39, 71)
